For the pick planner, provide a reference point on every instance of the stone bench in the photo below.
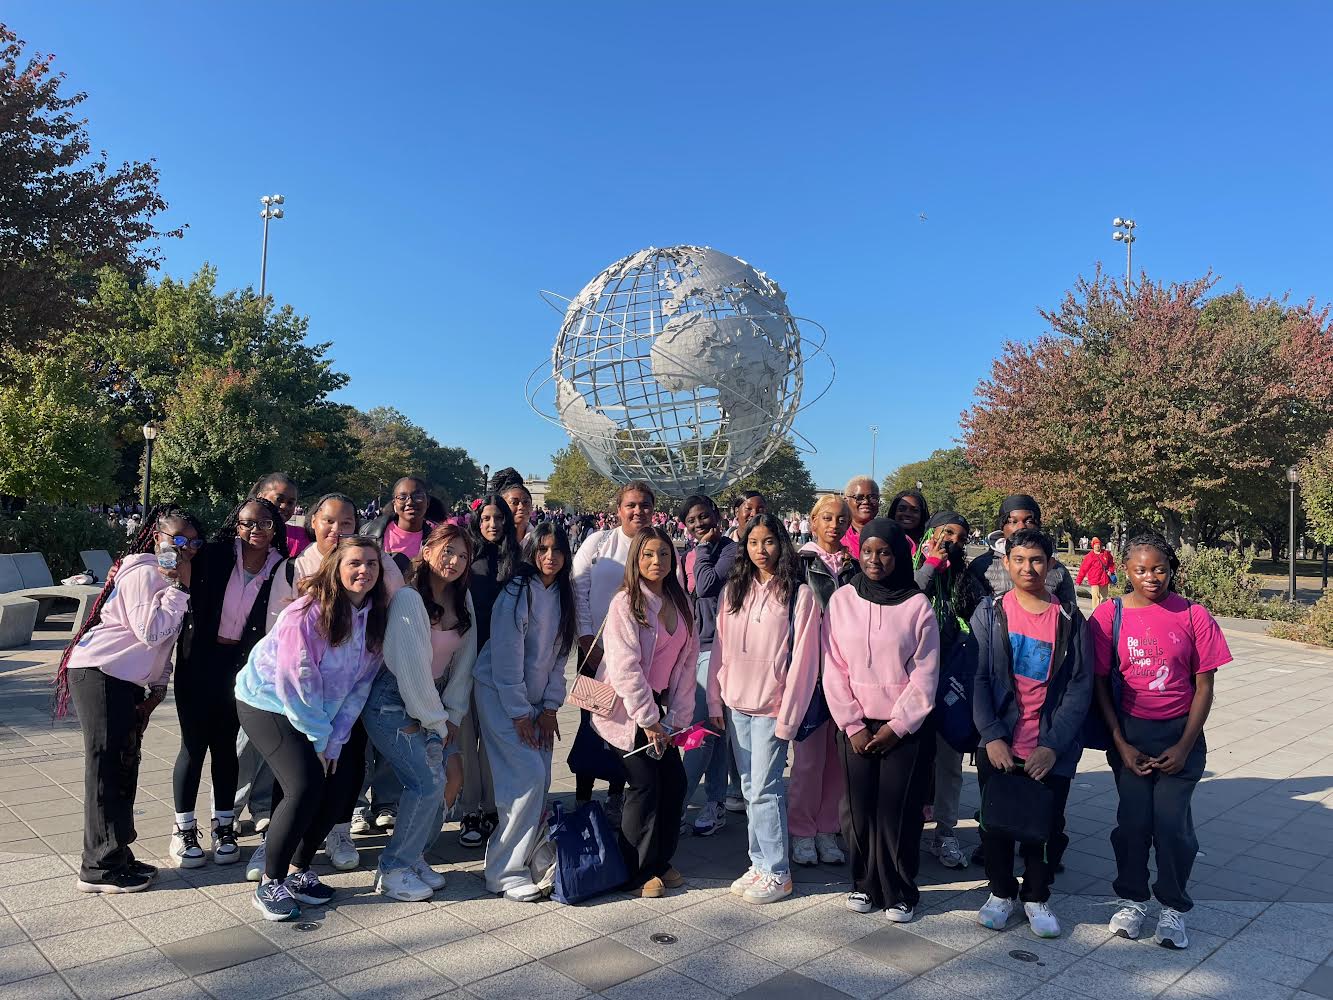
(18, 617)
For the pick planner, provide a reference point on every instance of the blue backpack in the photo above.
(953, 696)
(588, 861)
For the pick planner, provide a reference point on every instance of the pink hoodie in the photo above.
(140, 621)
(880, 661)
(748, 669)
(629, 655)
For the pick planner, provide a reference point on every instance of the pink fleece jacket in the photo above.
(629, 654)
(140, 621)
(748, 669)
(880, 661)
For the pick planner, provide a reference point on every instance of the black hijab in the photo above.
(900, 584)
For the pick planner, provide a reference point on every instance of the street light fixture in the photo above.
(1293, 477)
(149, 436)
(874, 443)
(485, 479)
(1124, 233)
(272, 210)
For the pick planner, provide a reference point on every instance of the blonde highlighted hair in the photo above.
(827, 501)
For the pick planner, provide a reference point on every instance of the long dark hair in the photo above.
(504, 555)
(143, 542)
(638, 604)
(787, 576)
(325, 589)
(420, 572)
(564, 580)
(228, 530)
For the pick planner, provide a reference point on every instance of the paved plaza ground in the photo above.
(1262, 928)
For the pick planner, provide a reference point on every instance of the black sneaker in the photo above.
(489, 822)
(142, 869)
(225, 849)
(123, 880)
(308, 889)
(469, 833)
(275, 901)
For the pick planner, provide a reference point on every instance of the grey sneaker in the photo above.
(803, 851)
(950, 853)
(1171, 929)
(1128, 919)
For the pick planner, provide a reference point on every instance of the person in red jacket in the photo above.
(1098, 570)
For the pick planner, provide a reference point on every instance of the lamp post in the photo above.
(874, 443)
(1124, 233)
(1293, 477)
(149, 436)
(271, 210)
(485, 479)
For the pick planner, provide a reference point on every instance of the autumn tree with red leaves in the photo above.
(1165, 406)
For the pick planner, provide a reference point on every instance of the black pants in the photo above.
(1039, 860)
(306, 801)
(1155, 814)
(884, 813)
(206, 707)
(654, 804)
(111, 753)
(583, 782)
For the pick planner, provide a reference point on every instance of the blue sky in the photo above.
(443, 162)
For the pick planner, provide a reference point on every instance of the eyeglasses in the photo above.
(864, 498)
(248, 525)
(181, 542)
(418, 496)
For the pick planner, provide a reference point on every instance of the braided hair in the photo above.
(1154, 540)
(228, 530)
(143, 542)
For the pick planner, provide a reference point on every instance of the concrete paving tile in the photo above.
(275, 976)
(166, 926)
(93, 944)
(1049, 991)
(608, 914)
(370, 909)
(792, 986)
(21, 961)
(424, 931)
(59, 918)
(10, 932)
(403, 979)
(33, 870)
(341, 955)
(122, 976)
(727, 969)
(218, 949)
(974, 976)
(661, 982)
(688, 940)
(1050, 962)
(472, 958)
(600, 964)
(854, 974)
(723, 916)
(490, 913)
(1241, 959)
(48, 987)
(44, 792)
(1320, 982)
(531, 980)
(1090, 978)
(783, 943)
(906, 952)
(184, 989)
(548, 933)
(925, 989)
(1145, 958)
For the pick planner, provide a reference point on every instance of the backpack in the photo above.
(953, 696)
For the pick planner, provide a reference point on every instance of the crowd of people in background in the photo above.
(403, 669)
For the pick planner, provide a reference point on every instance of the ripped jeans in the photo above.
(417, 758)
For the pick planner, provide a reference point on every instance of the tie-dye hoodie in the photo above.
(321, 689)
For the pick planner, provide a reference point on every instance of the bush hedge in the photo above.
(60, 534)
(1315, 628)
(1221, 581)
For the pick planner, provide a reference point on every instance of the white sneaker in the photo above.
(1171, 929)
(261, 824)
(803, 851)
(826, 846)
(428, 875)
(734, 804)
(386, 820)
(712, 817)
(360, 825)
(338, 845)
(254, 868)
(1128, 920)
(950, 852)
(1041, 920)
(900, 914)
(404, 885)
(751, 876)
(858, 902)
(995, 912)
(529, 893)
(222, 839)
(768, 889)
(184, 849)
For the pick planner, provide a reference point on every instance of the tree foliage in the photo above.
(65, 213)
(783, 479)
(949, 482)
(1317, 491)
(388, 446)
(1164, 406)
(575, 484)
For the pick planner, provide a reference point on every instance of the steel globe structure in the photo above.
(681, 366)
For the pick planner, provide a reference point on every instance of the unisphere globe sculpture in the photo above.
(680, 366)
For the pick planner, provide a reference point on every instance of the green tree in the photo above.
(575, 484)
(65, 212)
(1317, 491)
(949, 482)
(783, 479)
(389, 445)
(55, 438)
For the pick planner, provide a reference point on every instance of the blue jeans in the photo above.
(417, 758)
(761, 758)
(255, 784)
(711, 760)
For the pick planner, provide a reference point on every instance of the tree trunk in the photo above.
(1172, 527)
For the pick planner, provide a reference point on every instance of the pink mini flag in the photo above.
(692, 737)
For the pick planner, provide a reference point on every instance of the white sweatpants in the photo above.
(522, 778)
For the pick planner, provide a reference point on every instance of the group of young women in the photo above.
(424, 664)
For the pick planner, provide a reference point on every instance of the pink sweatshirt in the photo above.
(629, 654)
(880, 661)
(140, 621)
(748, 669)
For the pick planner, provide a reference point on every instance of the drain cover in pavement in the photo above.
(306, 925)
(663, 939)
(1023, 956)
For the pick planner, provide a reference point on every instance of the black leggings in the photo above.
(306, 801)
(206, 707)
